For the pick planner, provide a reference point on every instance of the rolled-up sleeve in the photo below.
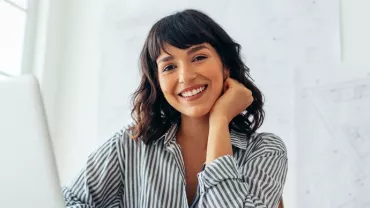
(99, 184)
(258, 183)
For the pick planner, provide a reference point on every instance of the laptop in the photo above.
(28, 175)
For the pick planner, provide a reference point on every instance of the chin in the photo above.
(196, 113)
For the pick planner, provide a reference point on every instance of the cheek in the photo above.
(215, 74)
(167, 86)
(217, 80)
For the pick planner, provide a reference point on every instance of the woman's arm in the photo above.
(100, 182)
(219, 143)
(258, 182)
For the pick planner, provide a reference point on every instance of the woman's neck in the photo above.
(194, 130)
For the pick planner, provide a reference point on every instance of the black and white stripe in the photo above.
(125, 173)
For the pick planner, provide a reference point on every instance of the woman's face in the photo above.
(191, 79)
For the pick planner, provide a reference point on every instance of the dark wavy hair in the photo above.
(152, 114)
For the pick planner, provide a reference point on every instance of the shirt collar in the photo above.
(238, 139)
(169, 135)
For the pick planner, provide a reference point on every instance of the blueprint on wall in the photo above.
(337, 170)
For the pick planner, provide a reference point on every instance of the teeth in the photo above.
(193, 92)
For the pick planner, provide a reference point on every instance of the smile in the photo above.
(193, 92)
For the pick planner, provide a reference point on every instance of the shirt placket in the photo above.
(175, 151)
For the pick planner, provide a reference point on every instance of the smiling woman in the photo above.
(194, 141)
(183, 38)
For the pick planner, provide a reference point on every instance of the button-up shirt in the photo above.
(128, 173)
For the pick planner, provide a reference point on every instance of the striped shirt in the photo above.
(126, 173)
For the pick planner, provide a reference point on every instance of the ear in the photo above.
(226, 73)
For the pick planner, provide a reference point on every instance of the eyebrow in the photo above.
(190, 51)
(196, 48)
(167, 58)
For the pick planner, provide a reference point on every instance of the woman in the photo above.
(194, 140)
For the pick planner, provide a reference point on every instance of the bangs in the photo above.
(181, 30)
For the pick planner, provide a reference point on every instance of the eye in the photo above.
(168, 68)
(199, 58)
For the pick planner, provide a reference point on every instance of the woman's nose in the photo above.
(186, 74)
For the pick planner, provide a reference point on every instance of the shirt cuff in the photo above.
(221, 169)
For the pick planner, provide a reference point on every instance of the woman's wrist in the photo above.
(219, 143)
(217, 121)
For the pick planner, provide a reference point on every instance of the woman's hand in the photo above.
(235, 99)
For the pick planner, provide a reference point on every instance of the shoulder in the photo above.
(120, 142)
(267, 143)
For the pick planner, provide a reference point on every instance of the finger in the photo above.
(229, 82)
(250, 95)
(227, 79)
(225, 87)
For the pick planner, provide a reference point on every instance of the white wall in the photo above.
(71, 56)
(355, 32)
(45, 56)
(70, 81)
(332, 119)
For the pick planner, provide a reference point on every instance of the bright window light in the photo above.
(12, 29)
